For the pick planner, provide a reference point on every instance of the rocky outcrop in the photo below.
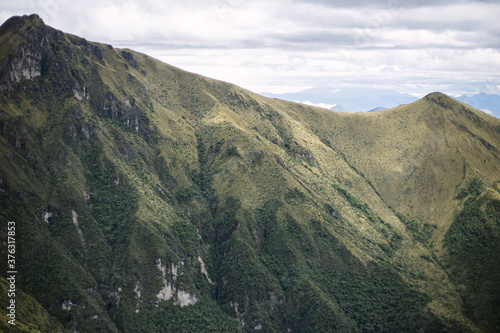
(30, 40)
(169, 291)
(35, 51)
(130, 58)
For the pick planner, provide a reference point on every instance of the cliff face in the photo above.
(28, 40)
(151, 199)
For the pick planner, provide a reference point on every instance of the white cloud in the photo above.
(320, 105)
(292, 44)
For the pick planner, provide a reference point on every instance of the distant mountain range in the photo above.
(489, 103)
(368, 99)
(348, 100)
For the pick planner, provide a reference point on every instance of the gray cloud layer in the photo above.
(410, 46)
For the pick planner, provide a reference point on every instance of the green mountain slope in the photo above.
(150, 199)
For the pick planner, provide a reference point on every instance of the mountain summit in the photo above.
(148, 199)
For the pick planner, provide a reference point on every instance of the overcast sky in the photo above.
(289, 45)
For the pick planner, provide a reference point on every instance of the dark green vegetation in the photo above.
(149, 199)
(474, 242)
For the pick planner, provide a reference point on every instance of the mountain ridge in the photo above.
(147, 197)
(370, 99)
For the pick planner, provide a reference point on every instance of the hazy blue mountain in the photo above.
(353, 99)
(489, 103)
(377, 109)
(339, 107)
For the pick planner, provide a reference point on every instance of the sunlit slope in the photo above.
(418, 156)
(435, 163)
(150, 198)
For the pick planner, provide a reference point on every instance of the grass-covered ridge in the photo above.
(150, 199)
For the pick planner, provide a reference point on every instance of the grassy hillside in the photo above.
(150, 199)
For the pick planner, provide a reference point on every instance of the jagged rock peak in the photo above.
(25, 43)
(17, 22)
